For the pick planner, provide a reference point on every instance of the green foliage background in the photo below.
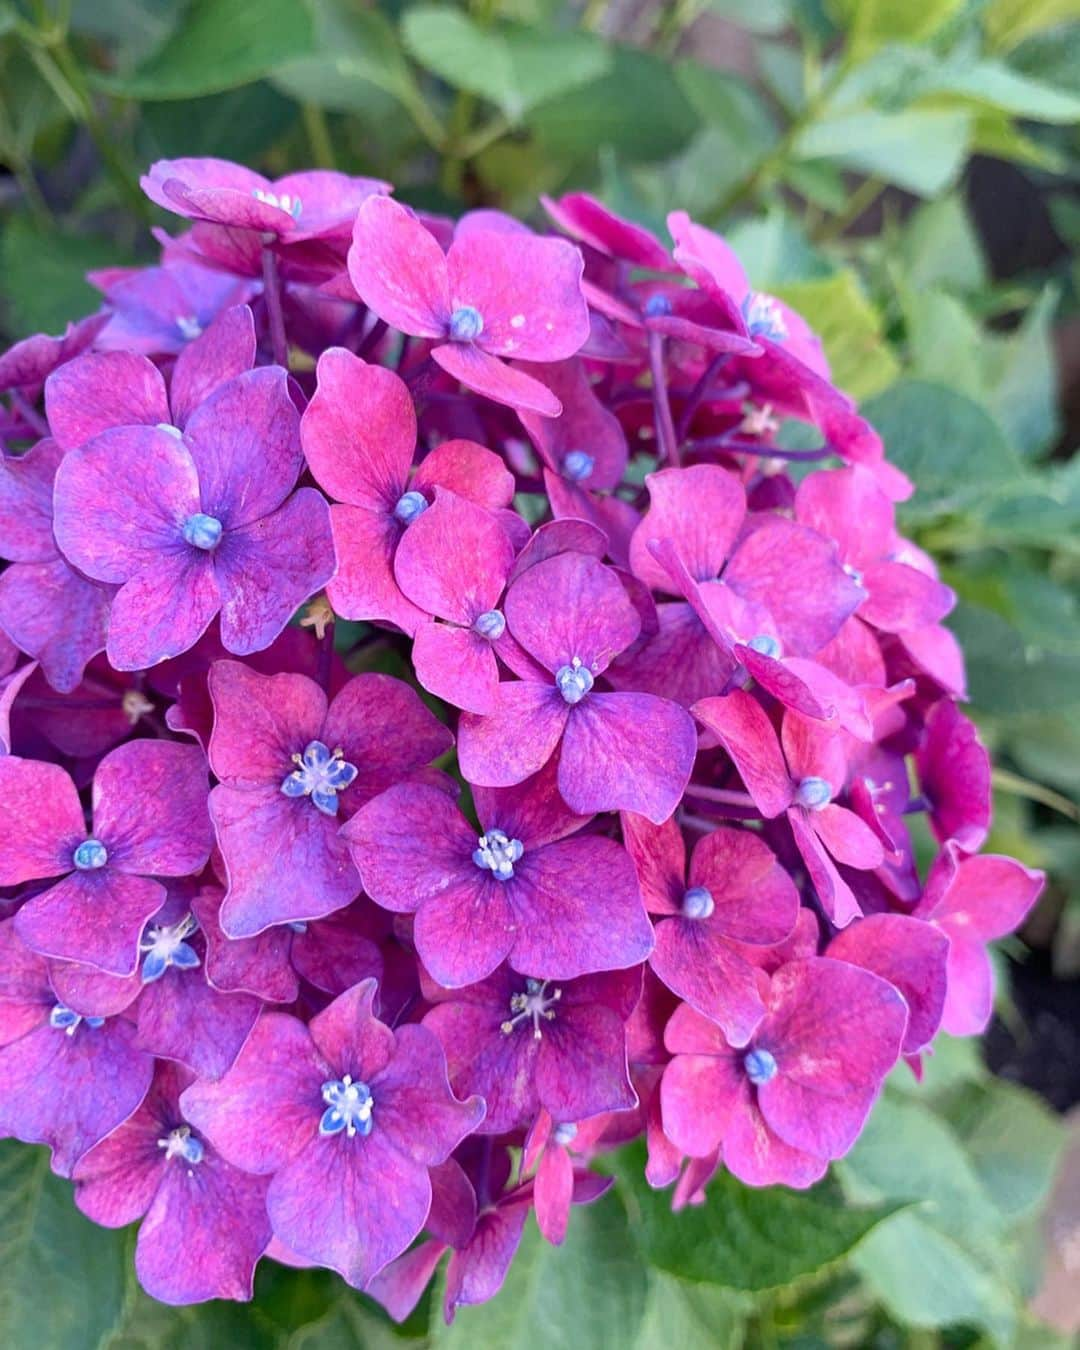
(859, 112)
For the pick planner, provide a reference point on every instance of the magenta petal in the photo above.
(56, 616)
(267, 569)
(399, 270)
(349, 1035)
(115, 1183)
(701, 509)
(553, 1191)
(452, 663)
(476, 1273)
(284, 859)
(627, 752)
(454, 559)
(470, 471)
(847, 837)
(756, 900)
(969, 1000)
(41, 820)
(105, 1079)
(568, 607)
(698, 965)
(487, 375)
(901, 597)
(581, 1070)
(417, 1110)
(659, 857)
(203, 1234)
(163, 611)
(182, 1018)
(464, 932)
(515, 740)
(385, 730)
(759, 1157)
(954, 774)
(122, 500)
(481, 1058)
(743, 728)
(578, 910)
(26, 492)
(400, 1286)
(226, 349)
(911, 954)
(527, 289)
(364, 587)
(837, 898)
(532, 811)
(150, 808)
(245, 443)
(699, 1094)
(585, 424)
(260, 721)
(349, 1204)
(102, 390)
(268, 1105)
(93, 917)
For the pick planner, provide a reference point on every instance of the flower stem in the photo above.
(272, 295)
(697, 394)
(737, 447)
(665, 426)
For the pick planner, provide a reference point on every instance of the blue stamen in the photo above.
(532, 1004)
(766, 644)
(491, 624)
(320, 774)
(574, 681)
(164, 946)
(498, 853)
(62, 1018)
(813, 793)
(348, 1107)
(760, 1066)
(90, 855)
(764, 317)
(202, 531)
(466, 324)
(170, 430)
(188, 326)
(181, 1143)
(658, 306)
(297, 926)
(409, 506)
(697, 903)
(564, 1134)
(578, 465)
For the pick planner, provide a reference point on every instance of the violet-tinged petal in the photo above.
(93, 917)
(400, 1286)
(487, 375)
(756, 900)
(454, 560)
(364, 587)
(476, 1273)
(581, 1070)
(149, 804)
(900, 597)
(758, 1156)
(226, 349)
(481, 1058)
(115, 1183)
(837, 898)
(41, 820)
(350, 1037)
(517, 739)
(848, 838)
(699, 1095)
(743, 728)
(121, 502)
(695, 962)
(399, 270)
(470, 471)
(586, 219)
(180, 1017)
(163, 610)
(455, 664)
(586, 444)
(267, 569)
(465, 931)
(954, 774)
(701, 509)
(553, 1192)
(266, 1108)
(56, 616)
(102, 390)
(260, 721)
(627, 752)
(416, 1108)
(532, 811)
(26, 492)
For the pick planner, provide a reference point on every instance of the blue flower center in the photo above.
(491, 624)
(564, 1134)
(498, 853)
(578, 465)
(90, 855)
(657, 306)
(764, 317)
(320, 774)
(202, 531)
(283, 201)
(62, 1018)
(188, 326)
(574, 681)
(766, 644)
(181, 1143)
(409, 506)
(466, 324)
(813, 793)
(164, 946)
(697, 903)
(760, 1066)
(534, 1004)
(348, 1107)
(297, 926)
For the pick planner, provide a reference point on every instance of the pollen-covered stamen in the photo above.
(62, 1018)
(348, 1107)
(760, 1066)
(574, 681)
(498, 853)
(181, 1143)
(565, 1133)
(535, 1005)
(766, 644)
(759, 421)
(188, 326)
(764, 317)
(135, 705)
(409, 506)
(90, 855)
(284, 201)
(466, 324)
(578, 465)
(320, 774)
(698, 903)
(203, 531)
(813, 793)
(164, 945)
(491, 624)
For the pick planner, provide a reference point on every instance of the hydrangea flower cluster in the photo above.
(448, 731)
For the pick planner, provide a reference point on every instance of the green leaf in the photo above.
(994, 84)
(1007, 676)
(42, 277)
(775, 251)
(941, 248)
(241, 124)
(946, 443)
(757, 16)
(588, 1294)
(62, 1279)
(872, 23)
(1022, 378)
(1010, 21)
(133, 28)
(221, 44)
(921, 149)
(742, 1238)
(691, 1316)
(515, 68)
(849, 326)
(945, 341)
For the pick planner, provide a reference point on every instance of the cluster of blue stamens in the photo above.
(321, 773)
(348, 1107)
